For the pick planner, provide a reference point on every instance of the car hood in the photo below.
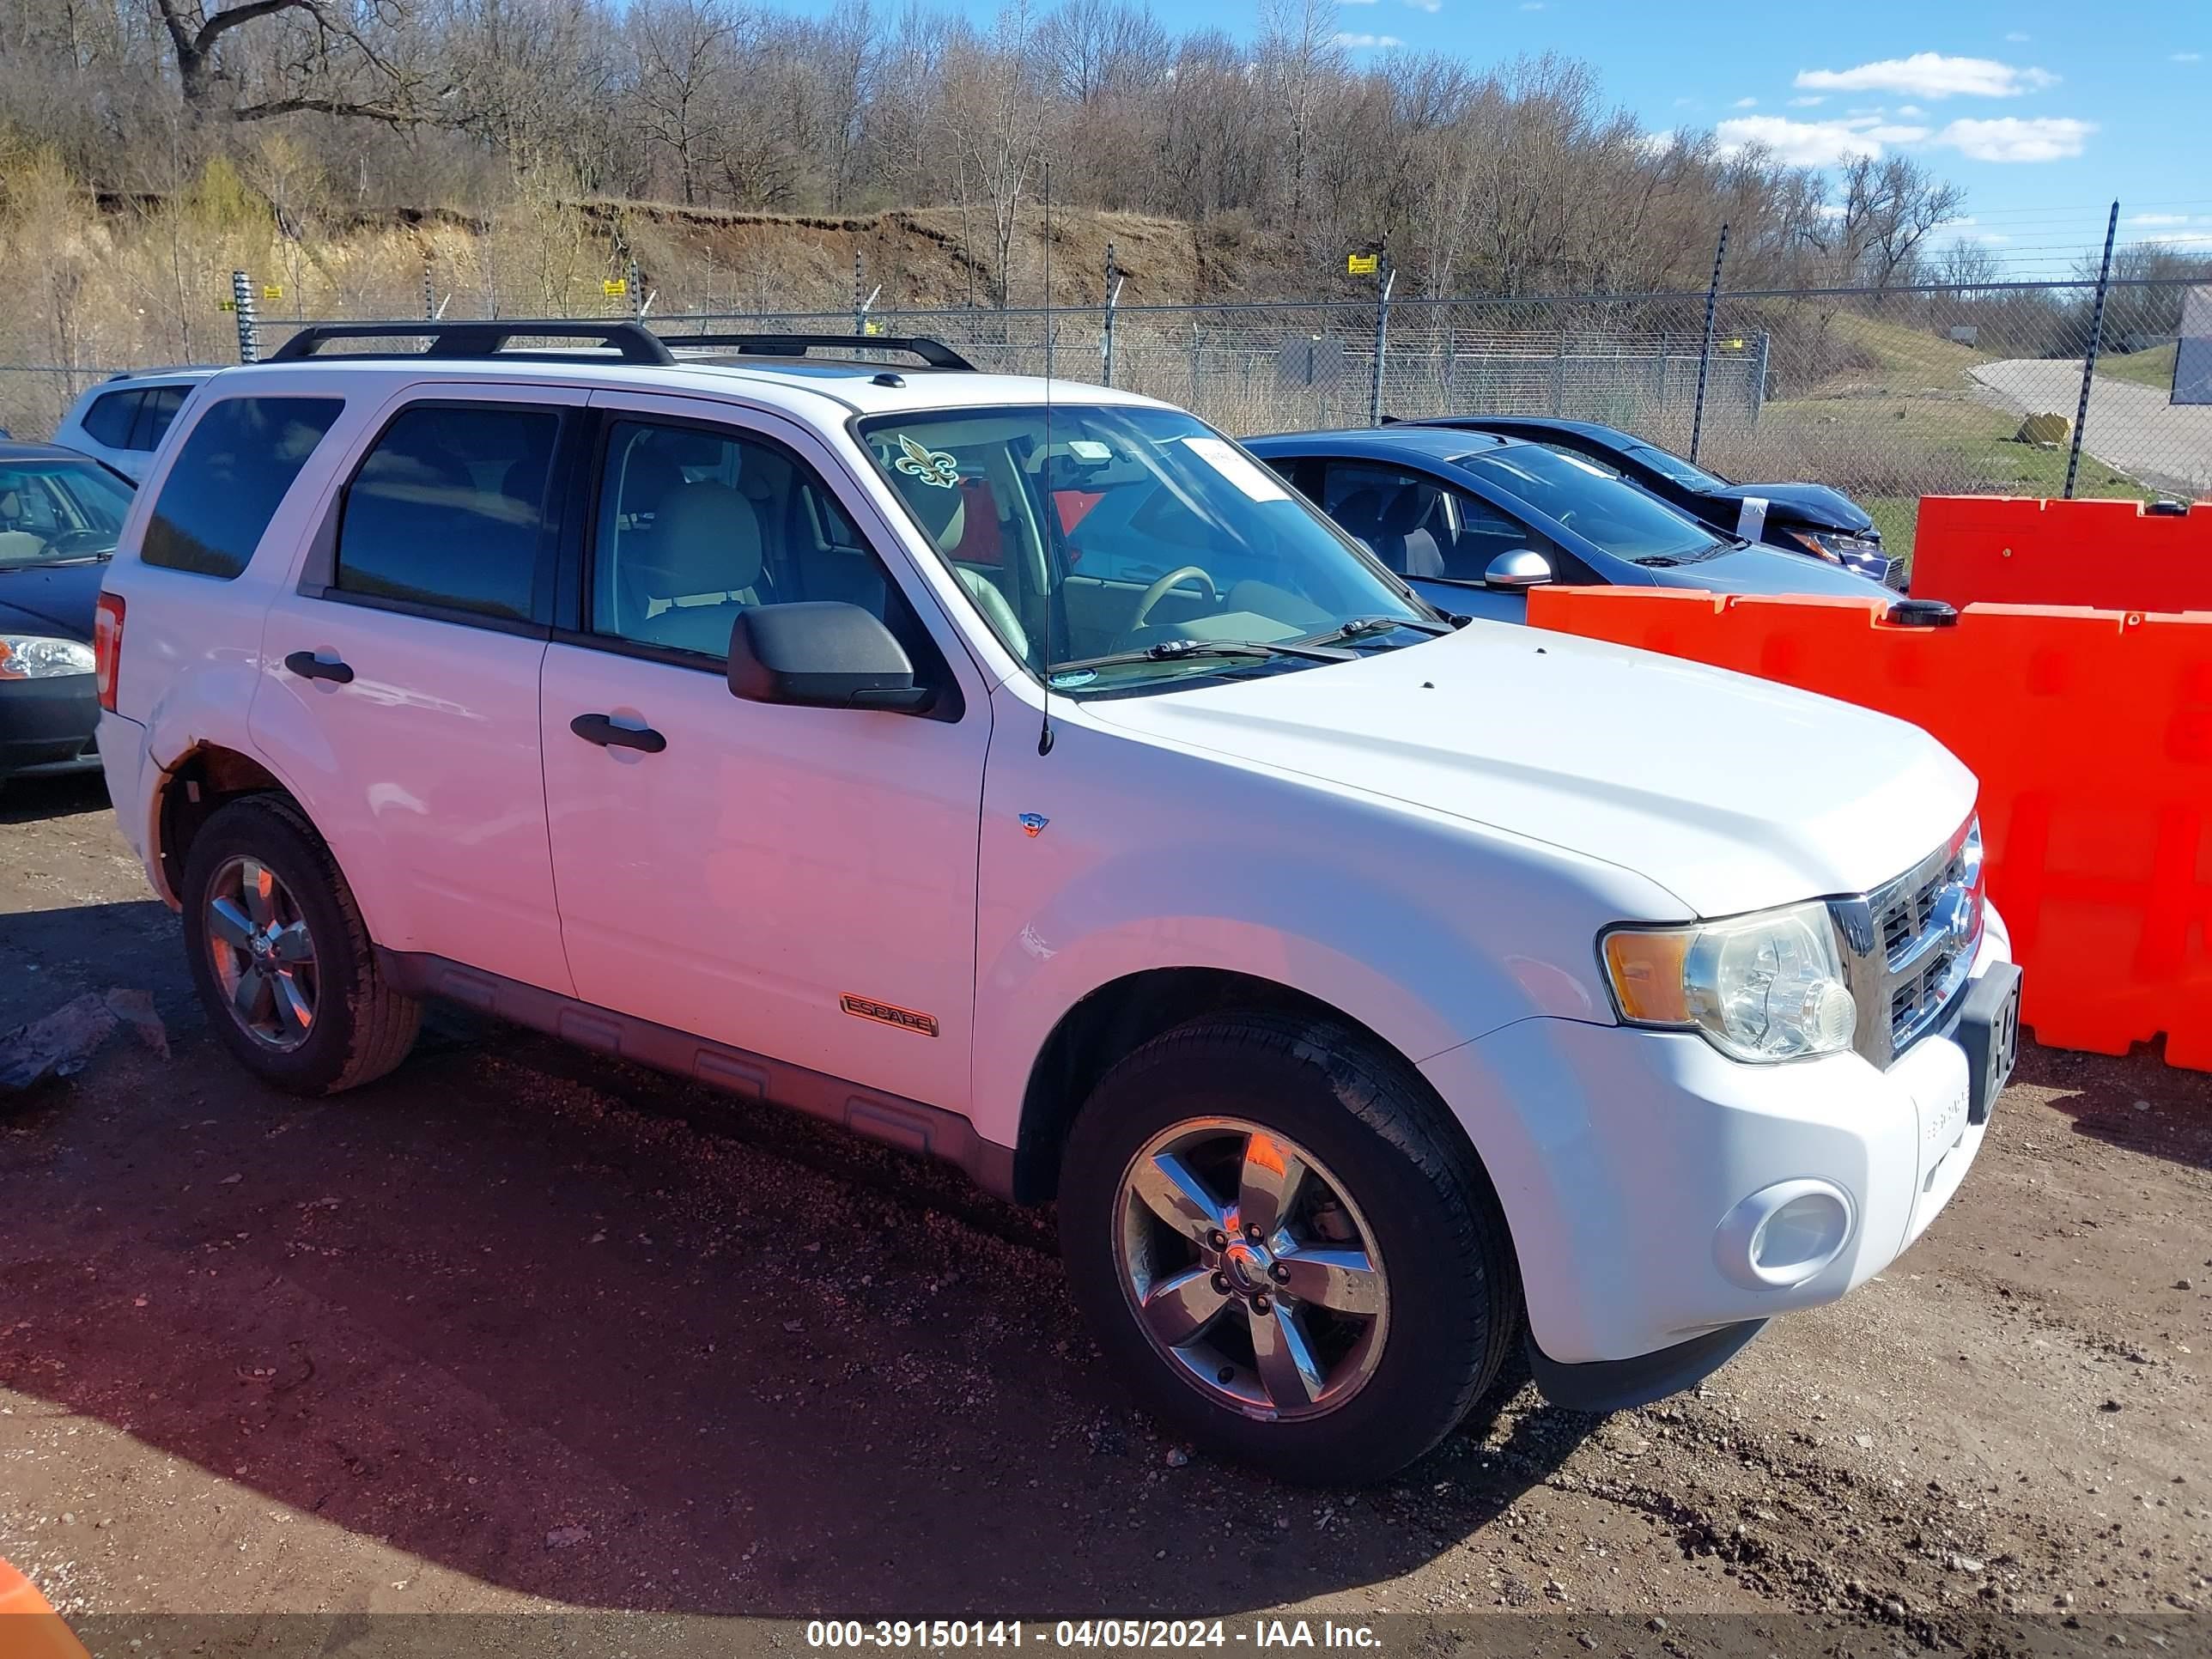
(53, 599)
(1767, 570)
(1815, 506)
(1732, 794)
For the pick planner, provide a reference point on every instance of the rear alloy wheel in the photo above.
(280, 956)
(263, 955)
(1286, 1247)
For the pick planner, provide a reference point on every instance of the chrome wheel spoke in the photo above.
(251, 999)
(290, 945)
(1344, 1281)
(295, 1011)
(230, 924)
(260, 889)
(1173, 1193)
(1287, 1369)
(1269, 1185)
(1179, 1309)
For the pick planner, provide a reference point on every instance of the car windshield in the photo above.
(1144, 536)
(1688, 474)
(55, 510)
(1596, 503)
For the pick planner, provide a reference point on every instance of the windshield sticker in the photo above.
(1073, 677)
(1255, 480)
(934, 467)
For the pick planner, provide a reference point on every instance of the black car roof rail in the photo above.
(631, 341)
(935, 353)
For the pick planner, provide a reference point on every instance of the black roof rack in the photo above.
(935, 353)
(633, 342)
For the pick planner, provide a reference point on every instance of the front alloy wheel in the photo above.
(1251, 1269)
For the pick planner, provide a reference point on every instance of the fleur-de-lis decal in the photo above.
(934, 467)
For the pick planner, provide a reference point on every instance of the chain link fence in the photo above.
(1885, 394)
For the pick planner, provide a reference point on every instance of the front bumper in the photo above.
(46, 726)
(1634, 1165)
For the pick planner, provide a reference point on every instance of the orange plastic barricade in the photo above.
(2091, 732)
(29, 1629)
(2010, 549)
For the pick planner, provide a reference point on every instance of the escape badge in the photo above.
(934, 467)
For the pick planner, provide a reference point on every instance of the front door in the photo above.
(799, 883)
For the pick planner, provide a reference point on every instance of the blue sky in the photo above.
(2045, 111)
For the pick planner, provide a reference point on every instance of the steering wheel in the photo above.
(1158, 591)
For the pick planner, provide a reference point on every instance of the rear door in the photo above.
(401, 688)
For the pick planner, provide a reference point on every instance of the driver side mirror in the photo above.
(1521, 568)
(821, 655)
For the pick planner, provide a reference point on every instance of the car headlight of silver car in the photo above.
(1767, 986)
(35, 657)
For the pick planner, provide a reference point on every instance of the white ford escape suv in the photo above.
(1367, 990)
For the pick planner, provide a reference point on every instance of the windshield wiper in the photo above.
(1360, 627)
(1177, 650)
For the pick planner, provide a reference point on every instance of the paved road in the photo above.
(2130, 426)
(519, 1329)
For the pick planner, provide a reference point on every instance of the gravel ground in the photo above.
(521, 1328)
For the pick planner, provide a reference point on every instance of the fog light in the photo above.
(1783, 1234)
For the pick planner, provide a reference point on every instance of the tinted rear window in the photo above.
(449, 508)
(108, 421)
(154, 414)
(226, 483)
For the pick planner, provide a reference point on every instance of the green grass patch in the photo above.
(2152, 367)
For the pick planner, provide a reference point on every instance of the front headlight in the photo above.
(1832, 544)
(1768, 986)
(34, 657)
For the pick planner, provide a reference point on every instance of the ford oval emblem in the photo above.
(1952, 913)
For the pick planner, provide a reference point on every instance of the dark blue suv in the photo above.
(1473, 520)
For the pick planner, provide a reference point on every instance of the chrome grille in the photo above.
(1909, 946)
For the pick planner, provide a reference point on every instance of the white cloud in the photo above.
(2043, 138)
(1686, 103)
(1832, 209)
(1931, 75)
(1910, 109)
(1796, 144)
(1361, 40)
(1532, 5)
(1655, 143)
(2017, 38)
(2179, 238)
(2157, 219)
(2186, 57)
(1426, 5)
(1745, 103)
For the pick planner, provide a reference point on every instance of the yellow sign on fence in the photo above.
(1363, 264)
(272, 291)
(875, 325)
(614, 288)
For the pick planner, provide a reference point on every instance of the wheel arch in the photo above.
(192, 788)
(1120, 1015)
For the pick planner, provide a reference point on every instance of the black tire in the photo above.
(363, 1028)
(1455, 1299)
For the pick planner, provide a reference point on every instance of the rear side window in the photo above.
(448, 510)
(108, 421)
(156, 411)
(238, 460)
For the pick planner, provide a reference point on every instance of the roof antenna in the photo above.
(1044, 473)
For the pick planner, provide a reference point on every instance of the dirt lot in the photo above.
(521, 1327)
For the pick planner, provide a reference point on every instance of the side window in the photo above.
(1479, 532)
(448, 510)
(155, 410)
(108, 421)
(1399, 514)
(238, 460)
(694, 526)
